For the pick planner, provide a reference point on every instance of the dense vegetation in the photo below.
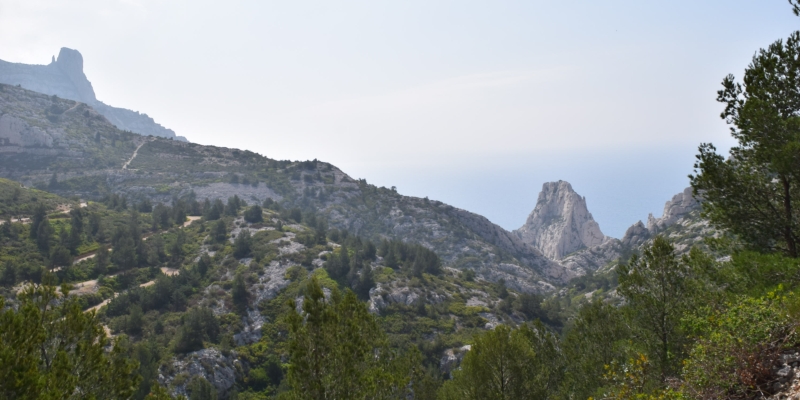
(230, 299)
(170, 289)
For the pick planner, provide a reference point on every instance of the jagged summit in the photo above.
(70, 63)
(560, 224)
(680, 205)
(64, 78)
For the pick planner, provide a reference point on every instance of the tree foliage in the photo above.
(755, 193)
(338, 351)
(506, 363)
(254, 214)
(656, 286)
(599, 336)
(51, 349)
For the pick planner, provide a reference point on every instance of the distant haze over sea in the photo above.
(620, 187)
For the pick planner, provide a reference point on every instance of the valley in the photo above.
(484, 276)
(135, 264)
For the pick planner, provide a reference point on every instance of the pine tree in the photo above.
(338, 351)
(254, 214)
(176, 251)
(755, 193)
(657, 289)
(505, 364)
(242, 246)
(203, 264)
(101, 260)
(44, 232)
(50, 348)
(240, 294)
(219, 231)
(39, 215)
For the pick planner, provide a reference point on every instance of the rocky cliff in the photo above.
(560, 223)
(680, 222)
(64, 77)
(680, 205)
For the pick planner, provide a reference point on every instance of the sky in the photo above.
(474, 103)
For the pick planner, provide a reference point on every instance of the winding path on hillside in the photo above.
(91, 285)
(63, 209)
(135, 152)
(77, 103)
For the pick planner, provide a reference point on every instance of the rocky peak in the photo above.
(680, 205)
(636, 235)
(70, 62)
(560, 223)
(64, 78)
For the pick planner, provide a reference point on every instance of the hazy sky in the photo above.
(472, 103)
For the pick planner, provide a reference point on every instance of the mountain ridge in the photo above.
(75, 151)
(82, 154)
(64, 77)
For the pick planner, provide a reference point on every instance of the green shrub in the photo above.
(738, 345)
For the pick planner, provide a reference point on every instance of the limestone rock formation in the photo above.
(64, 78)
(681, 223)
(636, 235)
(676, 211)
(560, 223)
(219, 369)
(15, 132)
(680, 205)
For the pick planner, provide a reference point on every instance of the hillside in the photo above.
(70, 149)
(146, 269)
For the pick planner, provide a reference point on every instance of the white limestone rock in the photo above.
(680, 221)
(560, 223)
(218, 368)
(680, 205)
(16, 132)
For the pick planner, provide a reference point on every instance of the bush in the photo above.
(738, 346)
(254, 214)
(243, 244)
(198, 325)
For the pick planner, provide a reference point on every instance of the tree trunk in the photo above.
(787, 207)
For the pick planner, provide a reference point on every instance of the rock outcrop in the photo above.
(560, 223)
(218, 368)
(15, 132)
(680, 205)
(676, 211)
(681, 223)
(64, 78)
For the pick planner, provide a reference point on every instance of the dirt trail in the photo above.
(85, 287)
(63, 208)
(135, 152)
(170, 271)
(90, 255)
(189, 222)
(77, 103)
(97, 307)
(84, 257)
(22, 220)
(90, 286)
